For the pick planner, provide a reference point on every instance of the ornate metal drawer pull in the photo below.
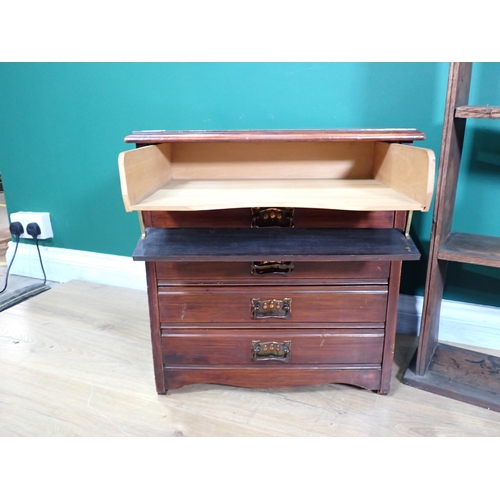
(272, 217)
(272, 308)
(265, 351)
(272, 267)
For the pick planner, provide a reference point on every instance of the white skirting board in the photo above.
(62, 265)
(459, 322)
(463, 323)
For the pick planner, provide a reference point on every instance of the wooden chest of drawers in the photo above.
(269, 296)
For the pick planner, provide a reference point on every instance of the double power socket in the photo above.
(41, 218)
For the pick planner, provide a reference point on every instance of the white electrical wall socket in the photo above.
(41, 218)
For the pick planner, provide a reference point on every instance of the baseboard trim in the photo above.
(463, 323)
(459, 322)
(62, 265)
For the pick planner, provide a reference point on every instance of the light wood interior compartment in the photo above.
(328, 175)
(142, 172)
(402, 168)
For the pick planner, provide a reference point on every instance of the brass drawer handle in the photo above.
(272, 267)
(265, 351)
(272, 308)
(272, 217)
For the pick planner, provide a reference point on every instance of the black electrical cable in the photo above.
(33, 229)
(41, 263)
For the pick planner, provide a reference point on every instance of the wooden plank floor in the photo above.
(76, 361)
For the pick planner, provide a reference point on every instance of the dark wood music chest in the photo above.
(273, 259)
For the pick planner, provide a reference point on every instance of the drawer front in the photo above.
(275, 272)
(281, 306)
(242, 217)
(272, 347)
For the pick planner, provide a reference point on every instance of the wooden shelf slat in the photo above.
(282, 244)
(477, 112)
(471, 249)
(461, 374)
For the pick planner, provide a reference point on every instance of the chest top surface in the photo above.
(162, 136)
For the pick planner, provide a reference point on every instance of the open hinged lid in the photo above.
(247, 244)
(327, 169)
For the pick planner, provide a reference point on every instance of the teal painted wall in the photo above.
(62, 126)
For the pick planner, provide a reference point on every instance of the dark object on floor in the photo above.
(15, 297)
